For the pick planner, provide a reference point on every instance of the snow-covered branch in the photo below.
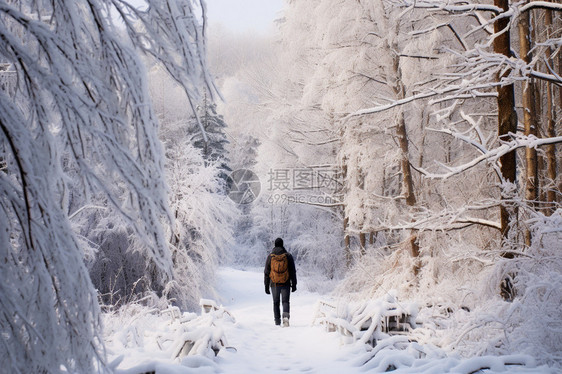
(444, 220)
(453, 6)
(464, 7)
(493, 155)
(476, 82)
(436, 27)
(540, 5)
(457, 89)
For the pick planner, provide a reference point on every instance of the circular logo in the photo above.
(243, 186)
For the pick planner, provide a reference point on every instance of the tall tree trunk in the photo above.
(529, 117)
(346, 240)
(394, 79)
(550, 128)
(407, 181)
(363, 243)
(507, 122)
(559, 187)
(408, 187)
(346, 237)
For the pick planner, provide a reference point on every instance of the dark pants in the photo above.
(280, 293)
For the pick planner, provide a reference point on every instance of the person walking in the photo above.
(280, 277)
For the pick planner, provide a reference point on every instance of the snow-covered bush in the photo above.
(531, 323)
(120, 273)
(140, 338)
(396, 338)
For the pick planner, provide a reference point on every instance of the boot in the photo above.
(285, 319)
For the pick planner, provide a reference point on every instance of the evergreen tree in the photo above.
(213, 141)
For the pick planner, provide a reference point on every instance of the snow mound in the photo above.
(144, 340)
(390, 328)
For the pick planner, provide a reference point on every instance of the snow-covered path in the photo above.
(142, 341)
(263, 347)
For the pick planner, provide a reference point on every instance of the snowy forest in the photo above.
(408, 153)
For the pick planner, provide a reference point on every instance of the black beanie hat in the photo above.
(278, 242)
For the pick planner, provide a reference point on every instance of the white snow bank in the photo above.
(397, 350)
(143, 340)
(368, 321)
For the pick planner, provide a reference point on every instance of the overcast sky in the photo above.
(243, 15)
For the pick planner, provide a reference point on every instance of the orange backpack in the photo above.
(279, 268)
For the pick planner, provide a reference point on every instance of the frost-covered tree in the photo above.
(213, 145)
(204, 215)
(80, 103)
(204, 218)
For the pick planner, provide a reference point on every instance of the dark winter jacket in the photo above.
(292, 270)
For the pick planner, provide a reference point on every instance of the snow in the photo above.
(141, 340)
(264, 347)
